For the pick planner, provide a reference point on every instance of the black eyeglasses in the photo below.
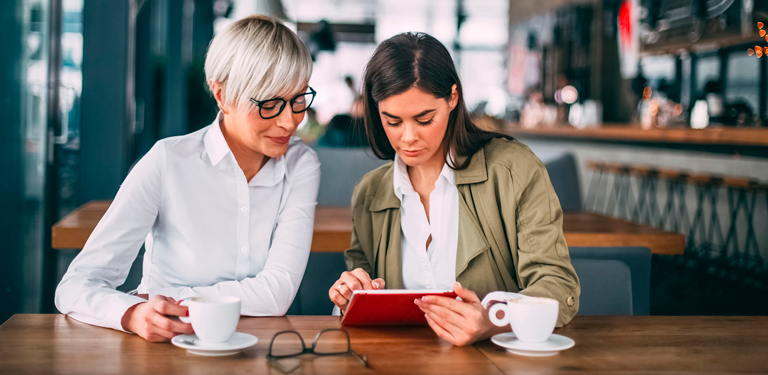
(274, 107)
(288, 344)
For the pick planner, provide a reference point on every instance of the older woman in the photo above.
(459, 208)
(227, 210)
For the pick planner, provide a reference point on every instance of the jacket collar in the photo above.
(385, 197)
(476, 172)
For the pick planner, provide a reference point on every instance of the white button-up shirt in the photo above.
(433, 267)
(206, 230)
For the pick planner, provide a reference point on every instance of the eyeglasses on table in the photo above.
(290, 344)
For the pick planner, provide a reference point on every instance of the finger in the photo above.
(337, 298)
(345, 291)
(439, 330)
(166, 307)
(465, 294)
(169, 299)
(461, 308)
(351, 281)
(162, 334)
(455, 330)
(378, 283)
(364, 278)
(156, 338)
(168, 324)
(443, 315)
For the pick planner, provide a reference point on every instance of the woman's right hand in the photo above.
(157, 319)
(357, 279)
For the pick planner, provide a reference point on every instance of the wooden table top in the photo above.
(634, 133)
(333, 230)
(57, 344)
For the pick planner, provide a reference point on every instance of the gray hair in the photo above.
(257, 57)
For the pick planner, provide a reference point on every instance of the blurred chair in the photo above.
(341, 169)
(564, 175)
(323, 269)
(606, 287)
(637, 259)
(343, 131)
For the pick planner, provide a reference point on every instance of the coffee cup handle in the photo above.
(492, 314)
(185, 319)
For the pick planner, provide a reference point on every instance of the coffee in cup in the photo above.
(532, 319)
(214, 319)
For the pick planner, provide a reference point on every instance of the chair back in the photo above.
(638, 259)
(323, 269)
(341, 169)
(606, 287)
(564, 175)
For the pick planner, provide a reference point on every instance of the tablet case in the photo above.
(388, 307)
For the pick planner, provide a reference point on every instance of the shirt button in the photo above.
(243, 249)
(569, 302)
(244, 208)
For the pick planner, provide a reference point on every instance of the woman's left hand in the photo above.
(460, 322)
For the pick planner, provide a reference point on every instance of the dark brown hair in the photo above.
(419, 60)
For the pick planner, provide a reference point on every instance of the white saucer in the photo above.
(552, 346)
(236, 344)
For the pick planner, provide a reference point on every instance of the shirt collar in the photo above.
(215, 144)
(402, 182)
(216, 147)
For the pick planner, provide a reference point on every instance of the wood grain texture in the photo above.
(591, 229)
(72, 231)
(624, 132)
(648, 345)
(333, 230)
(56, 344)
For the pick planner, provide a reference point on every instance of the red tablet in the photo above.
(388, 307)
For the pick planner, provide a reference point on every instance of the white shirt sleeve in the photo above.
(271, 291)
(87, 292)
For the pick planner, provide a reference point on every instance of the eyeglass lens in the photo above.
(302, 102)
(286, 344)
(332, 342)
(273, 107)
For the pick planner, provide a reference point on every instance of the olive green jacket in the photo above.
(510, 228)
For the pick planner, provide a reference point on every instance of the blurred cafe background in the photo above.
(651, 117)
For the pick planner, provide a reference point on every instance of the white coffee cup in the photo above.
(213, 318)
(532, 319)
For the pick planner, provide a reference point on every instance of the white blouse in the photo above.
(432, 267)
(206, 230)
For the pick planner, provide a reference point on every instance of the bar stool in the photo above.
(704, 237)
(620, 198)
(742, 197)
(674, 215)
(704, 232)
(646, 208)
(598, 169)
